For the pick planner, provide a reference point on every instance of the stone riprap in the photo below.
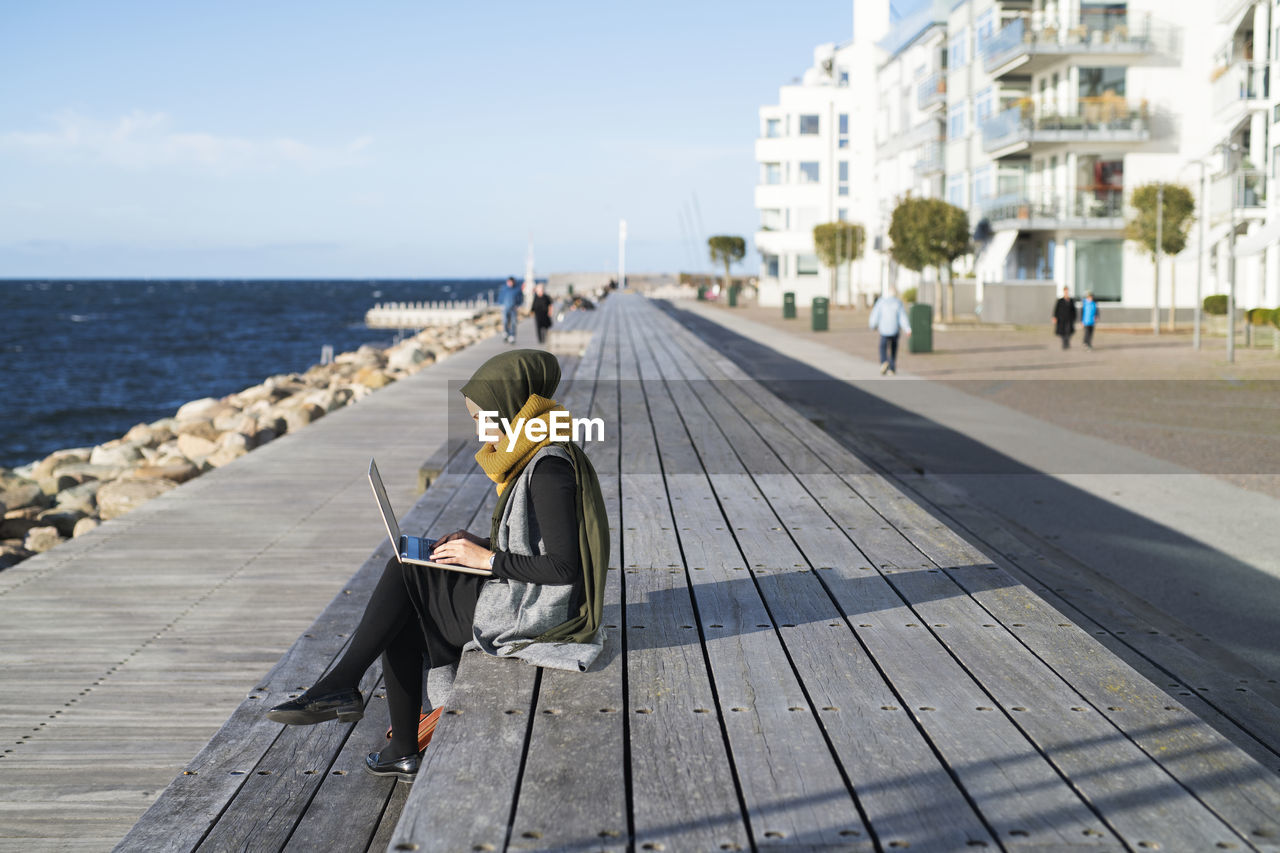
(70, 492)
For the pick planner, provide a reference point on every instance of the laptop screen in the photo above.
(388, 514)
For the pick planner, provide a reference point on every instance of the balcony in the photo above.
(932, 91)
(1230, 11)
(1094, 121)
(1239, 89)
(931, 160)
(1084, 210)
(1239, 196)
(1019, 48)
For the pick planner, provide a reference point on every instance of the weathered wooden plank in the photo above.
(479, 746)
(792, 789)
(349, 803)
(190, 805)
(1121, 795)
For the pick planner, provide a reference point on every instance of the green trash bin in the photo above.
(819, 315)
(921, 319)
(571, 289)
(789, 305)
(702, 293)
(733, 295)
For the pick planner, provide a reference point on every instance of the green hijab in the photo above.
(503, 384)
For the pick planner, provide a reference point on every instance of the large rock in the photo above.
(194, 447)
(407, 356)
(178, 469)
(199, 427)
(225, 455)
(11, 555)
(17, 490)
(372, 377)
(63, 519)
(85, 525)
(121, 454)
(18, 522)
(75, 473)
(121, 496)
(298, 416)
(45, 467)
(82, 497)
(197, 409)
(228, 419)
(41, 539)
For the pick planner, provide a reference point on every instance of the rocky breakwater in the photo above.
(71, 492)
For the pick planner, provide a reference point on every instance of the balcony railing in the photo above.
(1102, 208)
(1242, 84)
(932, 91)
(1238, 194)
(1139, 38)
(1102, 119)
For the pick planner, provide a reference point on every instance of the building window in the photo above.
(981, 184)
(1096, 82)
(842, 188)
(772, 173)
(807, 264)
(808, 173)
(844, 76)
(844, 130)
(983, 29)
(808, 125)
(957, 50)
(955, 190)
(770, 265)
(772, 128)
(983, 106)
(1275, 162)
(842, 214)
(1099, 265)
(955, 121)
(771, 219)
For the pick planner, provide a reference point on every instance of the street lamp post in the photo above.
(1155, 297)
(1204, 214)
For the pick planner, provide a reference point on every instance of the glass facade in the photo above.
(1099, 268)
(808, 125)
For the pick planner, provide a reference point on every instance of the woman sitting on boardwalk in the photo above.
(547, 548)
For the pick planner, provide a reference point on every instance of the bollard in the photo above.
(733, 296)
(818, 317)
(789, 305)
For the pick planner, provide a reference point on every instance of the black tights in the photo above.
(389, 628)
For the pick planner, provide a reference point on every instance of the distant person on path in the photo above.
(510, 297)
(889, 317)
(541, 307)
(1088, 318)
(1064, 317)
(547, 550)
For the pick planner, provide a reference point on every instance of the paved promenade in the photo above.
(122, 652)
(1136, 542)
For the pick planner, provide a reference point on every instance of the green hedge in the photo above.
(1275, 317)
(1216, 304)
(909, 295)
(1260, 316)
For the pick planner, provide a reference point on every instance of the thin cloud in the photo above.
(142, 141)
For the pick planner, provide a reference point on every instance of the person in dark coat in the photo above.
(541, 307)
(1064, 317)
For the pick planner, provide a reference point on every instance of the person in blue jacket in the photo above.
(889, 317)
(1088, 318)
(510, 297)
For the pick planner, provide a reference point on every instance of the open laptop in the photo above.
(411, 549)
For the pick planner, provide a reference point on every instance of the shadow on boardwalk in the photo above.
(1133, 551)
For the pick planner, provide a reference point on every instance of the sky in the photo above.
(385, 139)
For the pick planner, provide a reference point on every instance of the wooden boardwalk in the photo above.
(800, 658)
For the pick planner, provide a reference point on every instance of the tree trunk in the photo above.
(728, 282)
(951, 294)
(1173, 290)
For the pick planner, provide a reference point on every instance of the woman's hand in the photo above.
(462, 551)
(462, 534)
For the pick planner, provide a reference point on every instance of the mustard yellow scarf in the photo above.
(501, 460)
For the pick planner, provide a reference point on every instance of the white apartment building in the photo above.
(1040, 117)
(815, 154)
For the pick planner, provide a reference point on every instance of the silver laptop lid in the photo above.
(388, 514)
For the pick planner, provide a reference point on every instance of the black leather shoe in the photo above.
(405, 769)
(345, 705)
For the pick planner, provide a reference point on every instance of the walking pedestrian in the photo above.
(1088, 318)
(541, 308)
(1064, 317)
(510, 297)
(889, 317)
